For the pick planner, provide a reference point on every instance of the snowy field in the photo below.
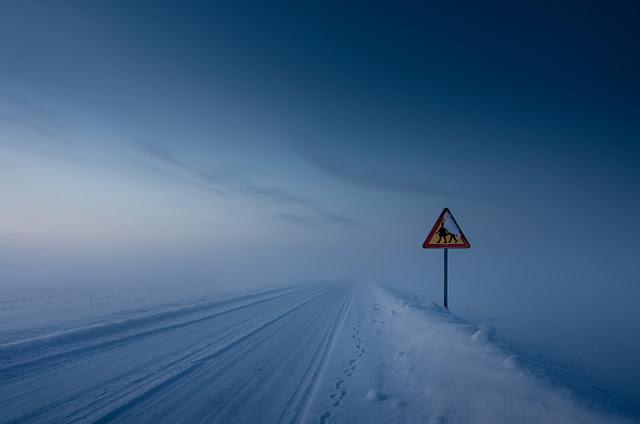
(315, 353)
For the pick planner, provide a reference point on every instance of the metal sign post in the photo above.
(446, 234)
(446, 259)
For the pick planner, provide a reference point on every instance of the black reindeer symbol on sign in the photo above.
(443, 233)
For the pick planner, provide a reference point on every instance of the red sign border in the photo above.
(466, 244)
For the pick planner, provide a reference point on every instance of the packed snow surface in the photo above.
(317, 353)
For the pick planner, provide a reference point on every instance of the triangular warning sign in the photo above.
(446, 233)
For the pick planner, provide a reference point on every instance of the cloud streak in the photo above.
(221, 183)
(294, 219)
(369, 178)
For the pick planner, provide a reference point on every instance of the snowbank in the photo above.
(452, 372)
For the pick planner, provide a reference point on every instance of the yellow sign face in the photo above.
(446, 233)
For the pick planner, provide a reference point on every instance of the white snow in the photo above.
(405, 361)
(447, 371)
(374, 395)
(315, 353)
(450, 224)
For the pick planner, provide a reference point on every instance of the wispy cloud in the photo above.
(29, 115)
(222, 183)
(369, 178)
(295, 219)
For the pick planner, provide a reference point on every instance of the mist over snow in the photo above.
(188, 189)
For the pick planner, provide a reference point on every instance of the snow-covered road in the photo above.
(233, 361)
(314, 353)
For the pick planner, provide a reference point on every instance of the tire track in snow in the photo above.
(296, 409)
(163, 376)
(92, 331)
(22, 369)
(294, 351)
(230, 389)
(340, 392)
(193, 366)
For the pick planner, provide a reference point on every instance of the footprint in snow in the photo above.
(325, 417)
(374, 395)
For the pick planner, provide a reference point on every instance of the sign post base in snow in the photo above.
(446, 234)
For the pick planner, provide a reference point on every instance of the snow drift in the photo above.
(449, 371)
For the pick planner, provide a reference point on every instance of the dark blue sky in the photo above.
(238, 142)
